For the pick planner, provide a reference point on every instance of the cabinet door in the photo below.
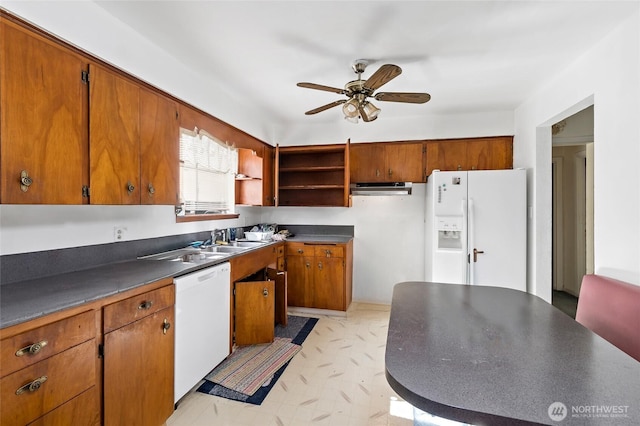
(43, 120)
(367, 162)
(446, 156)
(279, 279)
(138, 371)
(328, 283)
(255, 311)
(159, 149)
(404, 162)
(114, 133)
(479, 155)
(298, 278)
(268, 194)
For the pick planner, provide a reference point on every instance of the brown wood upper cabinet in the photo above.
(159, 149)
(470, 154)
(387, 162)
(114, 132)
(43, 120)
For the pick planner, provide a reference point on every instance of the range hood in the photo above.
(381, 188)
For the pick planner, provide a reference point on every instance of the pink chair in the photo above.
(611, 309)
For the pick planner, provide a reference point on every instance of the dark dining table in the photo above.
(497, 356)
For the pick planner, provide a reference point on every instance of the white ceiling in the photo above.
(471, 56)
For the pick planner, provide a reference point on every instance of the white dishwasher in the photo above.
(201, 326)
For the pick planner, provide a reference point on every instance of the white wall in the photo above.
(32, 228)
(497, 123)
(389, 238)
(609, 77)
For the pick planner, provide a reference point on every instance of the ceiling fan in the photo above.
(357, 92)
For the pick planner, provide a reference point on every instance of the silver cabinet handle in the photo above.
(166, 325)
(265, 292)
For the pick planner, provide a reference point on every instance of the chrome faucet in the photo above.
(219, 235)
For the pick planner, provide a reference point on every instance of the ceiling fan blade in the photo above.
(385, 74)
(324, 107)
(413, 98)
(321, 87)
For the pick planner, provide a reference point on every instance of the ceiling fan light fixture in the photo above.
(370, 110)
(353, 120)
(350, 108)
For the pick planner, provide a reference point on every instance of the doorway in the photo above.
(572, 205)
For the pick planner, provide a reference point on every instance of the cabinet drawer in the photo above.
(280, 250)
(82, 410)
(68, 374)
(59, 336)
(280, 266)
(129, 310)
(328, 250)
(298, 249)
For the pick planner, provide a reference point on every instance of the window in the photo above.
(207, 174)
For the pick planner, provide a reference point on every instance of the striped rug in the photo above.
(248, 367)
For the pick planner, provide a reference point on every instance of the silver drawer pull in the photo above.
(145, 305)
(33, 386)
(32, 349)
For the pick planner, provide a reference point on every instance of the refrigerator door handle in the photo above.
(476, 252)
(472, 243)
(465, 238)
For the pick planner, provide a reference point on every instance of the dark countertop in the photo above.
(22, 301)
(314, 238)
(489, 355)
(26, 300)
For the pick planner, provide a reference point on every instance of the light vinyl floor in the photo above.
(336, 379)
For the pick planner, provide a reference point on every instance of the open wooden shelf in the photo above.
(313, 175)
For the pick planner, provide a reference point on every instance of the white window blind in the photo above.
(207, 171)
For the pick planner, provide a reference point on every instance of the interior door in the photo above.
(254, 312)
(497, 228)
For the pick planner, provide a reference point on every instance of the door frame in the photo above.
(557, 224)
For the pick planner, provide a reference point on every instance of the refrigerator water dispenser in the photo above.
(449, 232)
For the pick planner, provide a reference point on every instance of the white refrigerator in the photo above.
(476, 225)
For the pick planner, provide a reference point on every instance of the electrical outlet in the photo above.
(119, 233)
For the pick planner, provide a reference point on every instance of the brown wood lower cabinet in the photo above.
(37, 383)
(319, 275)
(139, 360)
(260, 296)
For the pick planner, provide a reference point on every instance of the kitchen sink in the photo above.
(249, 244)
(224, 249)
(206, 254)
(187, 255)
